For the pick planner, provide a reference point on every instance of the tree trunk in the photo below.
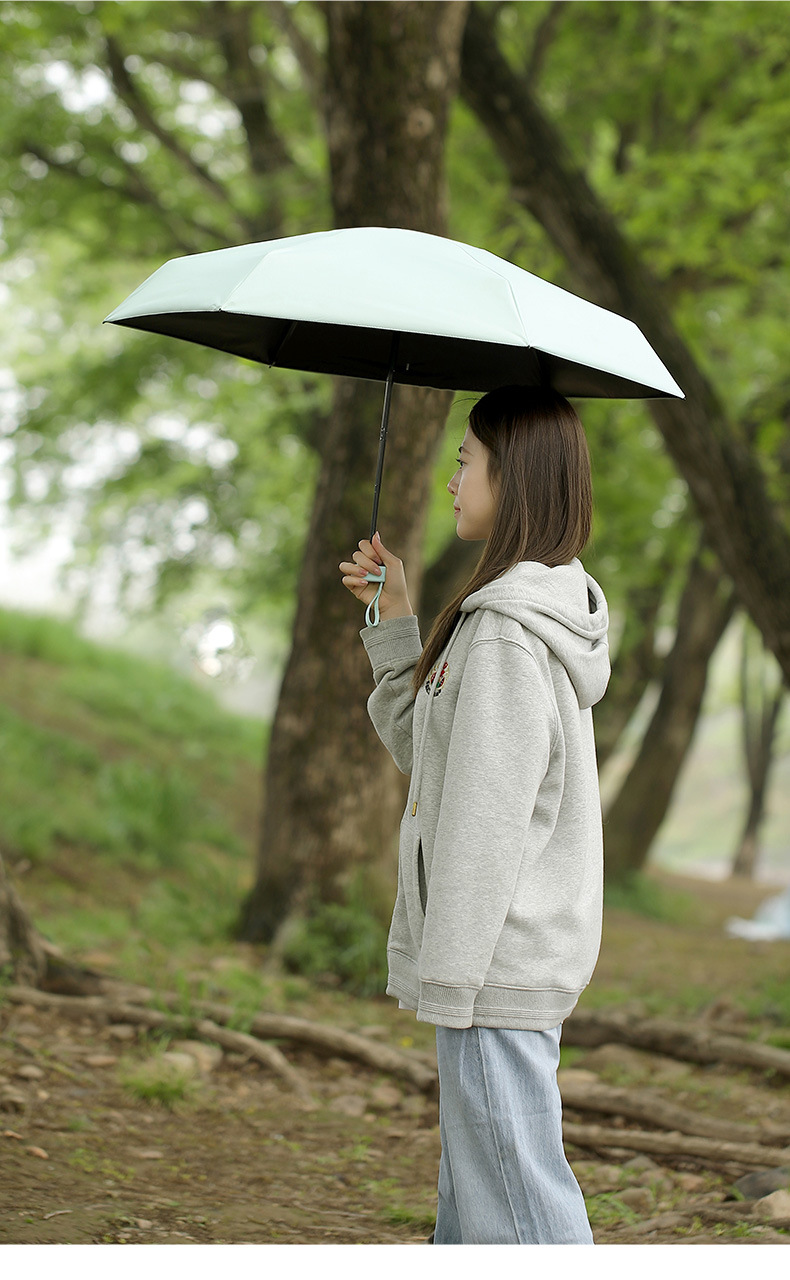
(724, 476)
(759, 718)
(634, 666)
(633, 819)
(22, 956)
(332, 795)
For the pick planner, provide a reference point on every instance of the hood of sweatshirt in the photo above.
(566, 609)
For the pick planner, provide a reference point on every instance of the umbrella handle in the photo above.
(372, 611)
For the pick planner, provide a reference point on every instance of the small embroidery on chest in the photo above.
(439, 682)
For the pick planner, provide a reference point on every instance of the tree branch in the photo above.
(135, 100)
(232, 28)
(544, 34)
(307, 57)
(137, 191)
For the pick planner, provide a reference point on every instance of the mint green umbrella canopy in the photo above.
(396, 306)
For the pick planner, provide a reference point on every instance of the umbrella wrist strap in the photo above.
(372, 612)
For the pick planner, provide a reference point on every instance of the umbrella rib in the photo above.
(282, 342)
(508, 285)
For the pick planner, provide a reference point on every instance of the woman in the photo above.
(497, 922)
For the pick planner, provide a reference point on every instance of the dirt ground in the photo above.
(84, 1159)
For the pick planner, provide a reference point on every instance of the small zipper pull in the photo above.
(414, 808)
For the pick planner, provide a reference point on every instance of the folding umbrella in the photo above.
(396, 306)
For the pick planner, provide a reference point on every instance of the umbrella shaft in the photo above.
(385, 415)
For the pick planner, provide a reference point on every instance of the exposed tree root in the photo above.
(674, 1039)
(648, 1107)
(708, 1150)
(263, 1027)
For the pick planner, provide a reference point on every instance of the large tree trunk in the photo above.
(633, 819)
(332, 796)
(724, 476)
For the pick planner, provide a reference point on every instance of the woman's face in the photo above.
(475, 501)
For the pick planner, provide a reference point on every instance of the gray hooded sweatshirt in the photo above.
(497, 921)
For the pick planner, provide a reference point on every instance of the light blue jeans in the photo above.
(503, 1176)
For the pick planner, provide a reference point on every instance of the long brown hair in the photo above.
(539, 468)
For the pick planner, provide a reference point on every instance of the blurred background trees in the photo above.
(633, 153)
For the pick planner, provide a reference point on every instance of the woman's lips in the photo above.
(456, 511)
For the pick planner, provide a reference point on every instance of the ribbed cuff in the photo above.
(453, 1005)
(393, 640)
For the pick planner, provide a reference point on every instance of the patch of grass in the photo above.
(395, 1209)
(125, 688)
(77, 1123)
(342, 942)
(200, 911)
(606, 1209)
(358, 1150)
(402, 1215)
(159, 1081)
(570, 1056)
(642, 895)
(137, 809)
(771, 999)
(143, 778)
(735, 1230)
(92, 1162)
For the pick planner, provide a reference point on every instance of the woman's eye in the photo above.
(459, 463)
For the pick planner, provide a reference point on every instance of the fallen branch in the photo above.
(266, 1054)
(263, 1027)
(648, 1107)
(673, 1039)
(674, 1144)
(100, 1007)
(416, 1068)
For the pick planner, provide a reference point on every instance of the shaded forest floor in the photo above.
(106, 1140)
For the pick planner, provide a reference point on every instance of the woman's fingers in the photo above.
(364, 565)
(355, 569)
(354, 577)
(368, 559)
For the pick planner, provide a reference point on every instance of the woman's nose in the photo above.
(452, 484)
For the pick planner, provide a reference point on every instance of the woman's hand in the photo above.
(394, 598)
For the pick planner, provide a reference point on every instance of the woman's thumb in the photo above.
(386, 555)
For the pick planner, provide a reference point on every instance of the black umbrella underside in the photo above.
(424, 360)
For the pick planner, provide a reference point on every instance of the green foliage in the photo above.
(643, 896)
(200, 465)
(340, 942)
(215, 459)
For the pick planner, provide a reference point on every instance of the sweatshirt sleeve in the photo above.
(394, 648)
(501, 740)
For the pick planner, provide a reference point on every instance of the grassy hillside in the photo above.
(128, 797)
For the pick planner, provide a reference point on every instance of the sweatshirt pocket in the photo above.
(421, 881)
